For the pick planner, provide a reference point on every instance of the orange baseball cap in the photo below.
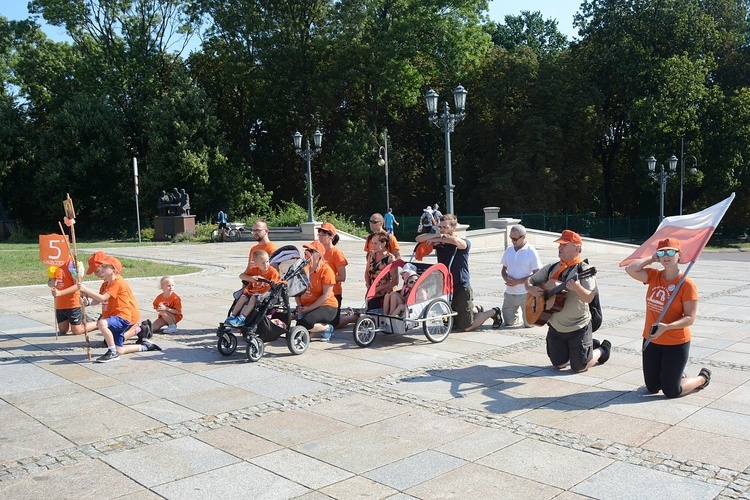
(109, 260)
(569, 236)
(316, 246)
(94, 261)
(327, 226)
(669, 243)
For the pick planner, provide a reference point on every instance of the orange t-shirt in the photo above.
(64, 279)
(269, 247)
(258, 287)
(121, 301)
(173, 302)
(335, 258)
(659, 291)
(322, 276)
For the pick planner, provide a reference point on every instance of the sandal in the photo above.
(705, 373)
(480, 309)
(497, 318)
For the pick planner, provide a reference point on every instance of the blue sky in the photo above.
(561, 10)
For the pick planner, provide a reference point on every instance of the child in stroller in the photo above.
(394, 303)
(272, 315)
(255, 290)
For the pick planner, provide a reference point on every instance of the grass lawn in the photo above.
(20, 264)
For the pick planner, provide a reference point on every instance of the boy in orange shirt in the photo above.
(119, 309)
(255, 289)
(68, 309)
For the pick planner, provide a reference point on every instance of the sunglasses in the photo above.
(375, 221)
(412, 281)
(323, 231)
(670, 252)
(515, 239)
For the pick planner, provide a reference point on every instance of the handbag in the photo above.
(420, 227)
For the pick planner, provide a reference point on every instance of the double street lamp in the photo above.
(446, 121)
(383, 162)
(661, 176)
(307, 155)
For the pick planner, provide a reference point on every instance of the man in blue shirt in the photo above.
(390, 219)
(454, 253)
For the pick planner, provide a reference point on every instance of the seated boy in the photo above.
(255, 289)
(119, 308)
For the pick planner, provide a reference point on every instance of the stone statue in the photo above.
(184, 202)
(176, 203)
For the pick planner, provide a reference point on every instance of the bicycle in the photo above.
(230, 233)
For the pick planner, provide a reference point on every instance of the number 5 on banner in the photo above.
(53, 249)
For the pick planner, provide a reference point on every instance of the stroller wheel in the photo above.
(298, 339)
(255, 349)
(227, 343)
(364, 331)
(439, 320)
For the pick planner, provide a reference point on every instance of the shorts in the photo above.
(118, 327)
(463, 304)
(74, 315)
(222, 225)
(576, 346)
(323, 314)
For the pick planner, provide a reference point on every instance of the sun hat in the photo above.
(327, 226)
(316, 246)
(669, 244)
(569, 236)
(94, 261)
(109, 260)
(408, 273)
(428, 209)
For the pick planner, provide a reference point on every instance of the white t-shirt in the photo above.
(520, 264)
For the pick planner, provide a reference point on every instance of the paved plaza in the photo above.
(481, 415)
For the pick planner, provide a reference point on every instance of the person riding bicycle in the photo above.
(221, 219)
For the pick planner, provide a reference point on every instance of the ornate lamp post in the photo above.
(446, 121)
(383, 162)
(307, 155)
(661, 176)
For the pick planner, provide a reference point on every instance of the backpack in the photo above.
(426, 219)
(595, 306)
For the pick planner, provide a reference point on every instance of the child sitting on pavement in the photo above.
(255, 289)
(394, 303)
(168, 305)
(119, 308)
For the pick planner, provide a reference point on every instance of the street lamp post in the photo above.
(661, 176)
(446, 121)
(307, 155)
(693, 169)
(383, 162)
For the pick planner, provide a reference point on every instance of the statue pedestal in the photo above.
(167, 227)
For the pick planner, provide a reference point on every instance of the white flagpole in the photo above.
(137, 211)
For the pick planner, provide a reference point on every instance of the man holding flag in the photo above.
(672, 298)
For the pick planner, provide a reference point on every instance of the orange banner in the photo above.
(53, 249)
